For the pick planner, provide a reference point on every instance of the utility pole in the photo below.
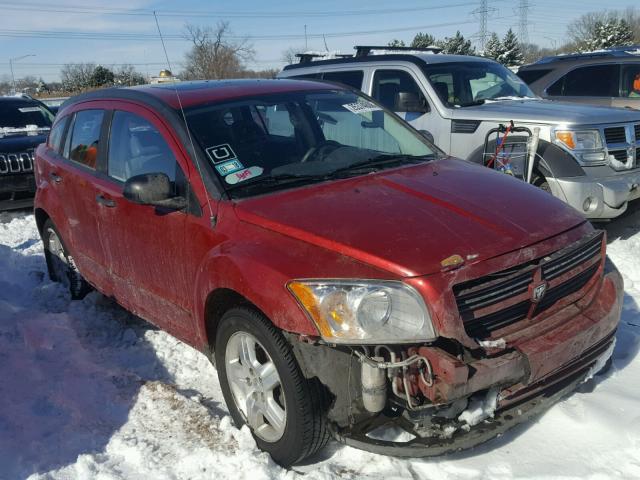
(523, 26)
(306, 46)
(16, 59)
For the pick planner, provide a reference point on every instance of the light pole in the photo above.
(16, 59)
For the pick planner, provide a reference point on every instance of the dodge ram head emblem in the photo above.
(538, 292)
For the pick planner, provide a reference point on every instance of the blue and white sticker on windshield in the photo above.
(361, 106)
(243, 175)
(221, 153)
(229, 167)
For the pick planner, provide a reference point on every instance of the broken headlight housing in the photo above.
(364, 311)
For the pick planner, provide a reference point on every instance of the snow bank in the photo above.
(89, 391)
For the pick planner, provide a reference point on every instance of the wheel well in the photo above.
(218, 302)
(41, 217)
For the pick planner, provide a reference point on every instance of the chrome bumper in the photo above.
(598, 198)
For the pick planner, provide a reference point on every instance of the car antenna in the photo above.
(213, 216)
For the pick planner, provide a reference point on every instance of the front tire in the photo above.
(265, 389)
(60, 265)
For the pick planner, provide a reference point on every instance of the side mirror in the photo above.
(428, 135)
(153, 189)
(410, 102)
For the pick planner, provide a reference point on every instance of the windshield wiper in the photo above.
(471, 104)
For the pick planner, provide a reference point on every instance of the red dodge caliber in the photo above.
(345, 277)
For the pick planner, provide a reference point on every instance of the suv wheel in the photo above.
(541, 182)
(265, 389)
(60, 264)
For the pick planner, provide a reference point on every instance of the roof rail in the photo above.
(622, 51)
(364, 50)
(308, 57)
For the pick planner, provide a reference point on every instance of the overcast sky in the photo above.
(124, 31)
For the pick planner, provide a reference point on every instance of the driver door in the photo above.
(145, 246)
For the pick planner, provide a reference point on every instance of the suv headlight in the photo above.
(586, 145)
(364, 311)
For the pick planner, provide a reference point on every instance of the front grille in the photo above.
(615, 135)
(619, 155)
(637, 132)
(475, 297)
(21, 162)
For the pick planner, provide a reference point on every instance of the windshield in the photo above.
(465, 84)
(278, 141)
(22, 115)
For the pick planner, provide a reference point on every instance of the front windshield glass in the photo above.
(21, 115)
(464, 84)
(272, 142)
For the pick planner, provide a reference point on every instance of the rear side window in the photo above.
(55, 136)
(589, 81)
(82, 144)
(630, 85)
(351, 79)
(137, 147)
(530, 76)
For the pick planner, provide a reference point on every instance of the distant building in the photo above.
(165, 76)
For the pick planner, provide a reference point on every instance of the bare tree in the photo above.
(583, 30)
(214, 55)
(76, 77)
(289, 55)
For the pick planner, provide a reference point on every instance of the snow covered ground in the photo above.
(89, 391)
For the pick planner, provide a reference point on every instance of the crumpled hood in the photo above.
(545, 112)
(407, 220)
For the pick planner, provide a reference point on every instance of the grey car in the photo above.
(587, 155)
(610, 77)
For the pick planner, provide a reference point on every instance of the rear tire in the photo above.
(60, 265)
(259, 374)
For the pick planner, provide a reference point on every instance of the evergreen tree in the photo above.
(456, 45)
(396, 43)
(512, 53)
(101, 77)
(610, 33)
(423, 40)
(493, 48)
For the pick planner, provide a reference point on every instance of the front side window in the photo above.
(82, 142)
(398, 91)
(589, 81)
(459, 84)
(350, 78)
(137, 147)
(278, 141)
(630, 85)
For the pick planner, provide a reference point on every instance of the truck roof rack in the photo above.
(364, 50)
(623, 51)
(308, 57)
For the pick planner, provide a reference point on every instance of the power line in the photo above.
(85, 10)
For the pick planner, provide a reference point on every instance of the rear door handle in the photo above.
(55, 177)
(107, 202)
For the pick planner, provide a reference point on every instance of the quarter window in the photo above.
(137, 147)
(82, 144)
(589, 81)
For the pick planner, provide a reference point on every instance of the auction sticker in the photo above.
(361, 106)
(229, 167)
(221, 153)
(243, 175)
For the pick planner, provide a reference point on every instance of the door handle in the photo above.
(107, 202)
(55, 177)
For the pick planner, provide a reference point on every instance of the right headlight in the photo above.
(364, 311)
(586, 145)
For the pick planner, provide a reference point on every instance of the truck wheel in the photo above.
(60, 264)
(264, 388)
(541, 182)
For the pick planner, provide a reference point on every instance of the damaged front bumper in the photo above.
(463, 400)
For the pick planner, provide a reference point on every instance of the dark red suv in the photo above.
(342, 273)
